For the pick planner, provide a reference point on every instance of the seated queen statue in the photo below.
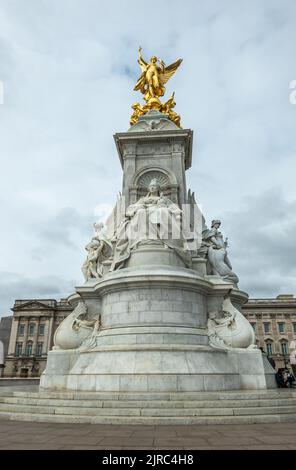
(153, 219)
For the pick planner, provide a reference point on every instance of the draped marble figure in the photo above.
(215, 247)
(154, 218)
(98, 250)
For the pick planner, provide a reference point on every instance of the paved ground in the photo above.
(22, 435)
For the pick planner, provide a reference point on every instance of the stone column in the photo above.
(13, 336)
(26, 333)
(51, 332)
(178, 168)
(35, 339)
(47, 334)
(129, 168)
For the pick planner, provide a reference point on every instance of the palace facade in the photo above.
(33, 326)
(274, 323)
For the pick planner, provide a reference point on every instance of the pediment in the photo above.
(32, 305)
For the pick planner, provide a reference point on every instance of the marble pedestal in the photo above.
(153, 336)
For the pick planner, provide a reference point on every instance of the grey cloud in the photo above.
(59, 230)
(262, 243)
(14, 286)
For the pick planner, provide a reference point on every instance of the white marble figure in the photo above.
(99, 249)
(152, 217)
(74, 329)
(229, 329)
(91, 341)
(216, 253)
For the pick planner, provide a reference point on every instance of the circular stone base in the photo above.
(153, 337)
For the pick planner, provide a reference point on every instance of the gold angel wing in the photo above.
(169, 71)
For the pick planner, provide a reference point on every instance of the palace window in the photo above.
(39, 349)
(266, 327)
(18, 349)
(29, 348)
(294, 328)
(269, 349)
(284, 348)
(281, 327)
(31, 329)
(21, 329)
(41, 329)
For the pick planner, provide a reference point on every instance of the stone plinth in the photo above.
(153, 337)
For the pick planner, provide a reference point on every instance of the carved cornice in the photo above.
(183, 278)
(178, 136)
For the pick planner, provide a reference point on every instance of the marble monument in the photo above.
(160, 308)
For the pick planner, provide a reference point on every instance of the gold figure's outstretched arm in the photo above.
(140, 85)
(143, 64)
(169, 71)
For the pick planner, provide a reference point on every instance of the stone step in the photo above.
(68, 410)
(178, 396)
(217, 411)
(52, 402)
(153, 408)
(149, 420)
(161, 412)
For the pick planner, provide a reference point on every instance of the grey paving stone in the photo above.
(21, 435)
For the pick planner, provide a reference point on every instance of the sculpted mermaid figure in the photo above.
(74, 329)
(229, 329)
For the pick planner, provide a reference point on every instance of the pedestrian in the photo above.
(289, 378)
(279, 377)
(293, 361)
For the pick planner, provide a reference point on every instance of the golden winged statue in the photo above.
(151, 84)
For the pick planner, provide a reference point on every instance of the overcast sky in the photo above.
(68, 68)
